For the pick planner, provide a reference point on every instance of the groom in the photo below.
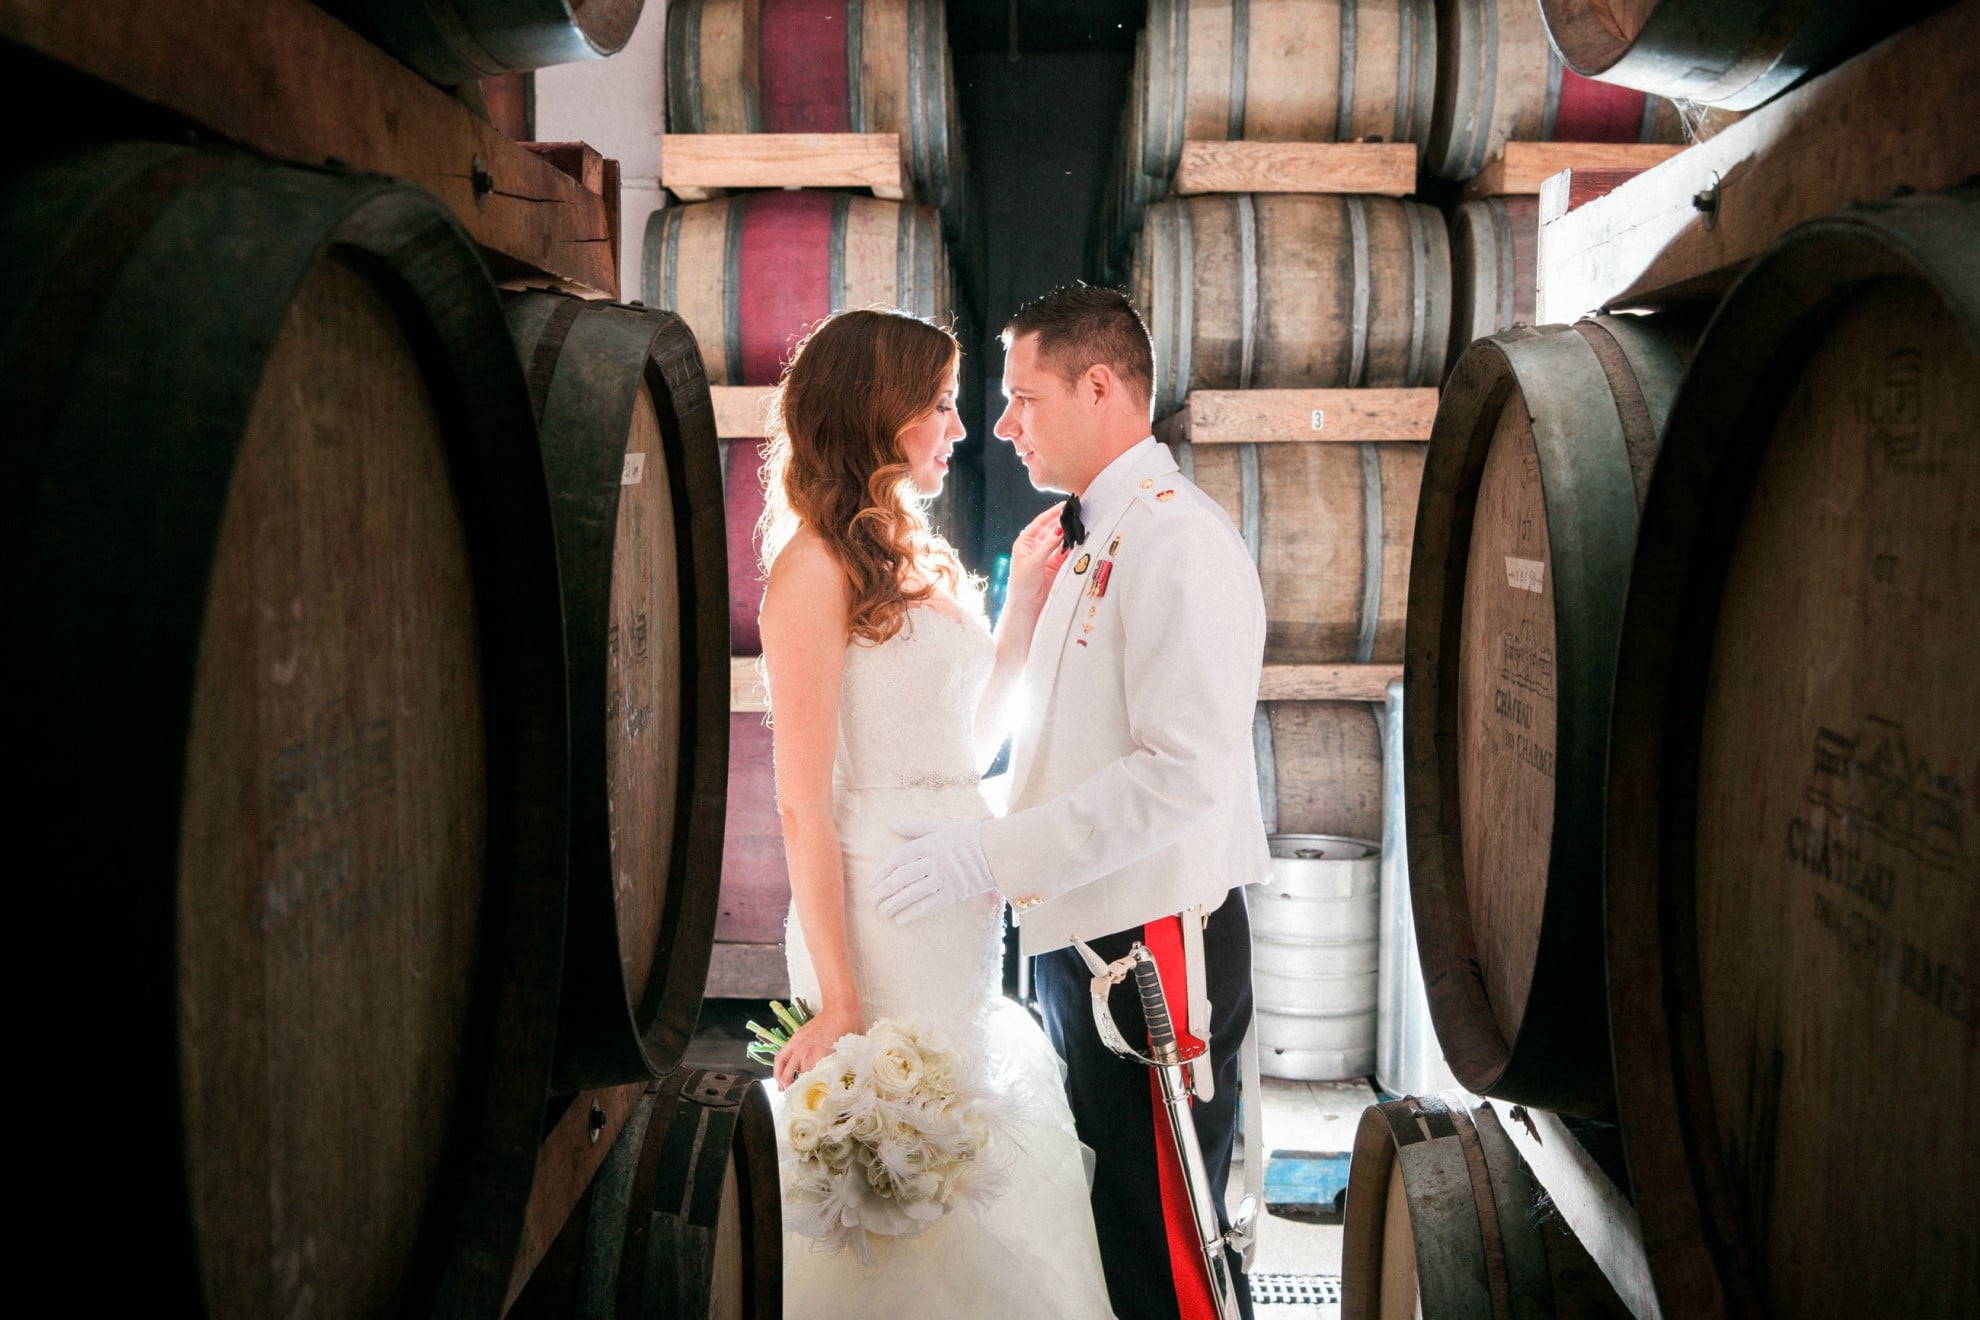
(1134, 796)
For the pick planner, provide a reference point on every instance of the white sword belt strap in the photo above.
(1202, 1073)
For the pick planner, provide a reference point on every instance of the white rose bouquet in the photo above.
(887, 1134)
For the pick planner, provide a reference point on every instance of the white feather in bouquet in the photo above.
(889, 1133)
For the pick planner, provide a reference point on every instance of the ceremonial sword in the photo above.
(1170, 1061)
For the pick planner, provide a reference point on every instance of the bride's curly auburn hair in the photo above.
(834, 461)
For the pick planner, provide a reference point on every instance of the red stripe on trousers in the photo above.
(1164, 939)
(801, 66)
(743, 505)
(785, 276)
(1591, 111)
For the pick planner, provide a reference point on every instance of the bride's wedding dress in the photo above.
(907, 710)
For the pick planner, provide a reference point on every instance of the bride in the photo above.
(886, 685)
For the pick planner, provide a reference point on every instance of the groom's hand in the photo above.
(943, 863)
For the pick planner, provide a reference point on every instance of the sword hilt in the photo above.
(1155, 1011)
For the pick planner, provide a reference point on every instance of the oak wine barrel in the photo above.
(685, 1217)
(1245, 291)
(756, 887)
(750, 274)
(458, 41)
(1495, 244)
(1736, 56)
(743, 496)
(823, 66)
(1320, 767)
(628, 441)
(1543, 441)
(1498, 80)
(282, 580)
(1443, 1222)
(1282, 71)
(1129, 189)
(1793, 851)
(1314, 943)
(1328, 526)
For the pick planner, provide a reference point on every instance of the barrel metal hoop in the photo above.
(1639, 428)
(1550, 113)
(1404, 129)
(1487, 102)
(684, 68)
(1268, 765)
(1371, 555)
(1178, 108)
(1507, 274)
(1344, 84)
(1240, 70)
(1485, 1207)
(732, 328)
(1420, 238)
(927, 249)
(855, 67)
(1359, 297)
(1247, 227)
(835, 260)
(1251, 498)
(664, 291)
(549, 347)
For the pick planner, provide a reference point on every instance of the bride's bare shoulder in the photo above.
(805, 575)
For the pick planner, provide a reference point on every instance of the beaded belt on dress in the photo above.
(921, 779)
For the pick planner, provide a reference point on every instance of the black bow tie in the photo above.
(1070, 527)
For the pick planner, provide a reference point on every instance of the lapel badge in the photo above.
(1081, 566)
(1165, 495)
(1113, 547)
(1100, 576)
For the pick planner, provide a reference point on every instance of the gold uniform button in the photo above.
(1025, 902)
(1146, 482)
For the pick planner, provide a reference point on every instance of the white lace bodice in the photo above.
(907, 707)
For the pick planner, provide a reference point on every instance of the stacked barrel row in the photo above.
(376, 623)
(751, 273)
(1691, 776)
(1459, 78)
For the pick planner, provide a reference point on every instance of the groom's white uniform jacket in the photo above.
(1134, 793)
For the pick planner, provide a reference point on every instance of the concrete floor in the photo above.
(1311, 1116)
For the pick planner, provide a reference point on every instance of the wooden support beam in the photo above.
(1210, 417)
(748, 971)
(1591, 1205)
(284, 78)
(1388, 168)
(1522, 167)
(746, 694)
(693, 166)
(1899, 116)
(1327, 682)
(574, 160)
(565, 1165)
(740, 410)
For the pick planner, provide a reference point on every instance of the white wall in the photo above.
(619, 106)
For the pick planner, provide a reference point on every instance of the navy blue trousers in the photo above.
(1115, 1111)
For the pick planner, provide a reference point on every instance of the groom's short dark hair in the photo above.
(1078, 325)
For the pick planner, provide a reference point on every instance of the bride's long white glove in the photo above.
(942, 864)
